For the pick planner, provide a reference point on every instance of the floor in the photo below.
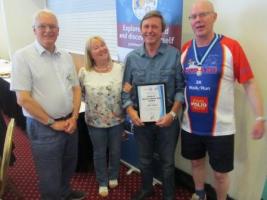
(22, 176)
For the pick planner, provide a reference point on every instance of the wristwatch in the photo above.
(260, 118)
(173, 114)
(50, 122)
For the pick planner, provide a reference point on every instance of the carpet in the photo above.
(22, 175)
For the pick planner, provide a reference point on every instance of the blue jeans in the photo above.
(103, 139)
(151, 138)
(55, 157)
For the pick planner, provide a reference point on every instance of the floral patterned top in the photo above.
(102, 95)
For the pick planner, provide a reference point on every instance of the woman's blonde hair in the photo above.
(88, 59)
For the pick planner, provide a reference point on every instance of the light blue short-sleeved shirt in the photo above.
(49, 77)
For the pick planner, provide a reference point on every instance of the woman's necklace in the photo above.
(103, 69)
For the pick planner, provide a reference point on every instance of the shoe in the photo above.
(103, 191)
(142, 195)
(196, 197)
(75, 195)
(113, 183)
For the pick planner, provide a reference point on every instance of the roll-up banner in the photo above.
(129, 14)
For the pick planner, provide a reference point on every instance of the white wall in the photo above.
(18, 17)
(3, 37)
(243, 20)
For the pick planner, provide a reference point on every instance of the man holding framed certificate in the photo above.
(153, 92)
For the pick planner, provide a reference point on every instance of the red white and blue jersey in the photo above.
(209, 93)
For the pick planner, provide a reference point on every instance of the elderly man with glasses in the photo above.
(211, 63)
(47, 88)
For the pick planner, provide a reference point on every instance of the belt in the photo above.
(64, 118)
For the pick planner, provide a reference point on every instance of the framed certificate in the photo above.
(151, 101)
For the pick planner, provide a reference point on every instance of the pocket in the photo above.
(38, 133)
(139, 77)
(166, 75)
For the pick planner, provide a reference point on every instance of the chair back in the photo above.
(6, 155)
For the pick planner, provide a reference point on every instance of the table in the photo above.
(8, 104)
(5, 68)
(8, 100)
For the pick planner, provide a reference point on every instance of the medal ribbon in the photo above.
(199, 63)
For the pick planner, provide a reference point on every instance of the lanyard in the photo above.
(211, 45)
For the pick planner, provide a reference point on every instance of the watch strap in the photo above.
(173, 114)
(260, 118)
(50, 122)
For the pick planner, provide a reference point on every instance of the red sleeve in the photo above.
(242, 69)
(186, 45)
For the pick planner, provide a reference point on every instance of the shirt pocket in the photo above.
(139, 77)
(166, 75)
(67, 76)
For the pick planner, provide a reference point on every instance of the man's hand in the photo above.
(258, 130)
(71, 125)
(134, 116)
(165, 121)
(127, 87)
(59, 125)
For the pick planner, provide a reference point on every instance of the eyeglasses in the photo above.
(43, 27)
(200, 15)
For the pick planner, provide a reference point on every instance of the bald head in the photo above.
(203, 4)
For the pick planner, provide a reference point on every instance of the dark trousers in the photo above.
(151, 138)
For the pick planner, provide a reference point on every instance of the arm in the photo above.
(72, 121)
(134, 116)
(76, 101)
(255, 100)
(81, 77)
(76, 98)
(126, 96)
(128, 104)
(25, 100)
(167, 119)
(178, 96)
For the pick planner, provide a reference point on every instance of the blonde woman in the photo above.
(101, 82)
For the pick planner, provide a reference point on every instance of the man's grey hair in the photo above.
(37, 15)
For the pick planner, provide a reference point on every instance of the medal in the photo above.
(199, 71)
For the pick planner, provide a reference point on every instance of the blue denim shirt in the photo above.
(164, 67)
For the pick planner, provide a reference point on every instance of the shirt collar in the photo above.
(41, 50)
(160, 49)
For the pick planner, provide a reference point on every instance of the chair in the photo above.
(6, 156)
